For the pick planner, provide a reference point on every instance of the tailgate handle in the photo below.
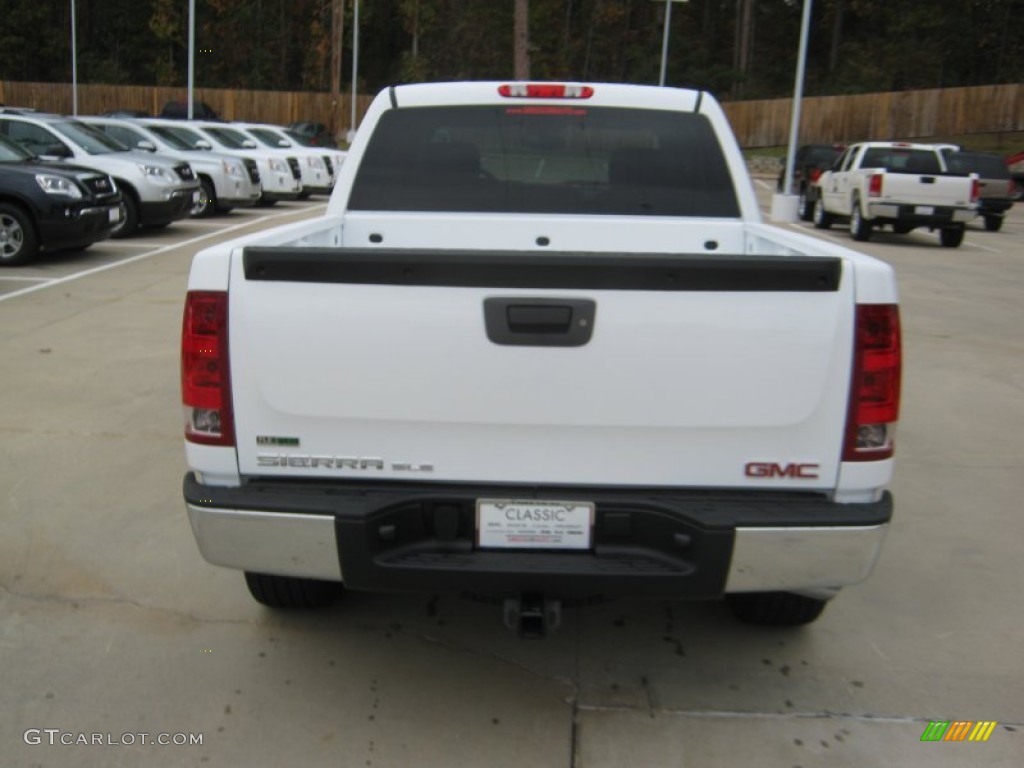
(927, 179)
(531, 318)
(536, 322)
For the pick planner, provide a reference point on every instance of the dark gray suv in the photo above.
(996, 186)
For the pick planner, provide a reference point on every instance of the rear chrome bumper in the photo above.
(267, 542)
(810, 560)
(921, 215)
(320, 538)
(803, 559)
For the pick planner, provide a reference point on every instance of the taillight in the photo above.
(205, 380)
(815, 174)
(975, 190)
(875, 185)
(545, 91)
(875, 384)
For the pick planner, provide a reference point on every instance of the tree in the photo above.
(730, 47)
(521, 37)
(166, 23)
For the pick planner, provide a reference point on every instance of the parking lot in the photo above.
(114, 626)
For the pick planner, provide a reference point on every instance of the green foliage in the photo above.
(30, 56)
(855, 45)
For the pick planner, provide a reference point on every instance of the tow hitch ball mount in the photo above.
(532, 616)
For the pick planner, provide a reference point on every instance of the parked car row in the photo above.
(109, 176)
(224, 181)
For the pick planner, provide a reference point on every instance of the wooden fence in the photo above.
(901, 114)
(280, 107)
(896, 115)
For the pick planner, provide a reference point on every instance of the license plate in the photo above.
(529, 524)
(115, 215)
(925, 210)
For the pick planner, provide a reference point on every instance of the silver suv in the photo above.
(155, 191)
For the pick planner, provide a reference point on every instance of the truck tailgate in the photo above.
(925, 189)
(519, 367)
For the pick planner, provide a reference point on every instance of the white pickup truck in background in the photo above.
(895, 184)
(541, 348)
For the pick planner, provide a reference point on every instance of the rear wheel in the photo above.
(291, 592)
(775, 609)
(18, 242)
(805, 208)
(860, 228)
(822, 218)
(993, 223)
(951, 237)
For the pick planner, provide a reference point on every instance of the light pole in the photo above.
(74, 64)
(664, 38)
(191, 55)
(785, 205)
(355, 71)
(798, 92)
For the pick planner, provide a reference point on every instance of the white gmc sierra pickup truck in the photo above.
(896, 184)
(542, 349)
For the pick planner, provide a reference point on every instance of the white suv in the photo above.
(155, 190)
(317, 179)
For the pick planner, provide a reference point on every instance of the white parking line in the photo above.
(146, 255)
(982, 247)
(136, 244)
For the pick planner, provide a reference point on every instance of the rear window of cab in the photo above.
(531, 158)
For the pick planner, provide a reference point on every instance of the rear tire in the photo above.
(860, 228)
(18, 241)
(775, 609)
(951, 237)
(822, 218)
(993, 223)
(805, 208)
(290, 592)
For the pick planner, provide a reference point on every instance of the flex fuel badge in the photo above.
(290, 442)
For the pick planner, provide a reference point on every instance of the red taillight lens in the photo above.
(875, 385)
(545, 91)
(205, 380)
(815, 174)
(875, 186)
(975, 190)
